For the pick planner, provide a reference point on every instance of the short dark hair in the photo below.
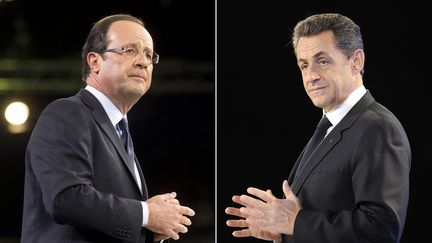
(97, 38)
(347, 34)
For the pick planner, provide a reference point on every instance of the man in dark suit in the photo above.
(354, 185)
(82, 184)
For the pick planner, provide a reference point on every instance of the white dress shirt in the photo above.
(339, 112)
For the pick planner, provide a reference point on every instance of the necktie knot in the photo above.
(324, 123)
(123, 125)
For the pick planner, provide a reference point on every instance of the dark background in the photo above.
(172, 125)
(264, 116)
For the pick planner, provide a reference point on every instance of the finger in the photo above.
(258, 222)
(270, 192)
(186, 211)
(159, 237)
(173, 201)
(173, 234)
(263, 195)
(249, 201)
(237, 223)
(242, 233)
(168, 196)
(287, 190)
(234, 212)
(237, 199)
(181, 228)
(185, 221)
(252, 212)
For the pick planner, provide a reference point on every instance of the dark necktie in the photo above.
(316, 139)
(127, 142)
(126, 139)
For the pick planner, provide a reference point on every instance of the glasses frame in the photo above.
(154, 57)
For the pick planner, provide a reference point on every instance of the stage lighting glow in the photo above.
(17, 113)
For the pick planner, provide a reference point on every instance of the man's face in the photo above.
(328, 77)
(124, 78)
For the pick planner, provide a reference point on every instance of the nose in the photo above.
(310, 75)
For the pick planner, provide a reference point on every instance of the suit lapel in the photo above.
(104, 122)
(333, 138)
(326, 146)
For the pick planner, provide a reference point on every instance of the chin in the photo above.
(318, 104)
(140, 89)
(145, 89)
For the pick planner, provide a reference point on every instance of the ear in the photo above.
(358, 59)
(94, 60)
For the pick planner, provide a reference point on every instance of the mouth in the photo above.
(138, 78)
(317, 89)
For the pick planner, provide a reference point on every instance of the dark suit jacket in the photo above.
(355, 187)
(78, 187)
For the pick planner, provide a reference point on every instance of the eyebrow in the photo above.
(314, 57)
(138, 45)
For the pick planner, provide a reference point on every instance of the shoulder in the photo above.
(379, 123)
(65, 107)
(64, 114)
(379, 116)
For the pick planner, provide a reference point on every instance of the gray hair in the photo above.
(346, 33)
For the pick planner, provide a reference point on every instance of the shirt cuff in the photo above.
(145, 213)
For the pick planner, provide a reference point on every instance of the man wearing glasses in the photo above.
(83, 182)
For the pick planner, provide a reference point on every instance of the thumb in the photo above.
(287, 189)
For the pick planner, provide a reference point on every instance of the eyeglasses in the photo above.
(134, 51)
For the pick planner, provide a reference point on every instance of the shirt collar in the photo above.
(339, 112)
(112, 111)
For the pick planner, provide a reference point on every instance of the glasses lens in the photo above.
(155, 58)
(131, 51)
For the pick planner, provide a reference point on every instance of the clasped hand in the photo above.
(167, 218)
(264, 216)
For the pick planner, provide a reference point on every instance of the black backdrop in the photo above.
(264, 116)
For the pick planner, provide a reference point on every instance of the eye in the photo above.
(148, 55)
(131, 51)
(323, 62)
(303, 66)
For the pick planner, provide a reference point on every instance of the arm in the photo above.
(60, 155)
(380, 170)
(380, 183)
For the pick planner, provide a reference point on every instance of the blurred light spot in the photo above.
(17, 113)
